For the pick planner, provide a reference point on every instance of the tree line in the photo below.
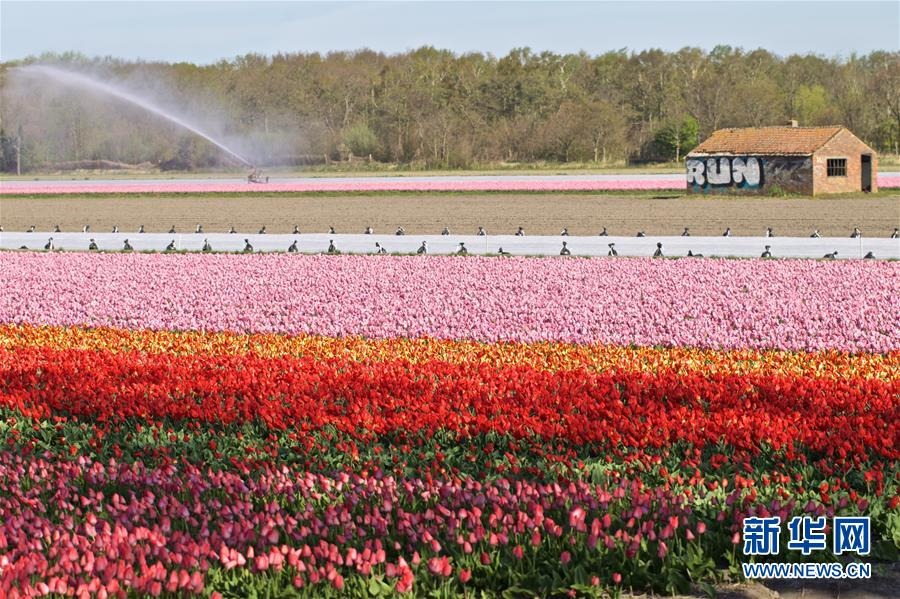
(433, 108)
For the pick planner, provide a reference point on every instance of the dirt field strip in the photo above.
(538, 214)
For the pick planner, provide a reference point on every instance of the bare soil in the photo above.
(539, 214)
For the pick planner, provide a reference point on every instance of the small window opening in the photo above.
(837, 167)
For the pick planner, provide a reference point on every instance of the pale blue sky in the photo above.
(205, 32)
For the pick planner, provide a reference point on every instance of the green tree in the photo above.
(360, 139)
(7, 152)
(813, 106)
(677, 137)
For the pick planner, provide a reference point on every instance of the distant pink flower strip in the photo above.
(727, 304)
(361, 186)
(888, 182)
(534, 183)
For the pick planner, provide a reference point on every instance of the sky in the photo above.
(208, 31)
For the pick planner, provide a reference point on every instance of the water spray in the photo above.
(80, 80)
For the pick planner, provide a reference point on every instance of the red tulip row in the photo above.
(613, 409)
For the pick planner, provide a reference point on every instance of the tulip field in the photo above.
(371, 426)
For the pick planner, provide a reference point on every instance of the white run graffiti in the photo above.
(724, 171)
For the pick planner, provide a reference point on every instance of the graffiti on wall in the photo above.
(742, 172)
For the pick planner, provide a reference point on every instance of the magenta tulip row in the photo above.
(789, 304)
(69, 527)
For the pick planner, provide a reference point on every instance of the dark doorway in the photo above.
(866, 172)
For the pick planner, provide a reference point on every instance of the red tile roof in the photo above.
(771, 141)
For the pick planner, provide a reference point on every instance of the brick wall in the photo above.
(842, 145)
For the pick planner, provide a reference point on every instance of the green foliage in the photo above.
(8, 145)
(776, 191)
(677, 137)
(813, 107)
(360, 139)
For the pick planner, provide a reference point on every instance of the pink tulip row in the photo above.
(69, 528)
(888, 181)
(788, 304)
(363, 185)
(532, 183)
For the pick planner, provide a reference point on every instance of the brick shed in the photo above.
(806, 160)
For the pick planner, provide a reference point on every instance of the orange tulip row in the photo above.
(833, 365)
